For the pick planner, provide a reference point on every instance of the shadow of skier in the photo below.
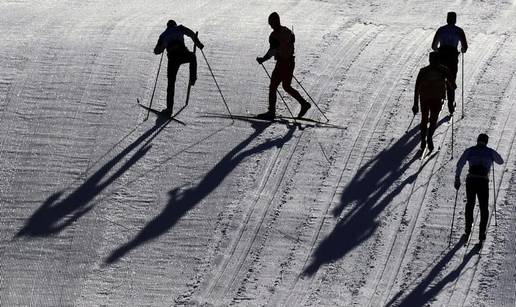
(370, 191)
(428, 288)
(181, 202)
(53, 216)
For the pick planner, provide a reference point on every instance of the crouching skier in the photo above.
(431, 84)
(281, 43)
(172, 39)
(480, 158)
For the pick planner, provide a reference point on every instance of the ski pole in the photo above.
(452, 136)
(410, 124)
(189, 83)
(462, 91)
(154, 89)
(327, 120)
(281, 96)
(216, 83)
(494, 195)
(453, 216)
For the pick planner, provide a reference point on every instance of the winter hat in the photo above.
(482, 139)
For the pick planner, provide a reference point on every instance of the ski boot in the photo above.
(267, 115)
(305, 106)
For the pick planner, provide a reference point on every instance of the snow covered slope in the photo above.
(99, 207)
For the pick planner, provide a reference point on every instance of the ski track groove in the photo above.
(484, 63)
(366, 32)
(363, 45)
(322, 91)
(369, 138)
(377, 120)
(469, 282)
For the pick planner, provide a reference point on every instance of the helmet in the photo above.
(451, 18)
(171, 23)
(274, 19)
(482, 139)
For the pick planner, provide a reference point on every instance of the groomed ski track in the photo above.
(99, 207)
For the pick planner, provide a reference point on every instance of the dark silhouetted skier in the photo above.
(172, 39)
(446, 41)
(480, 158)
(431, 84)
(281, 47)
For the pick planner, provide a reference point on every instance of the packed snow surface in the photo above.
(100, 207)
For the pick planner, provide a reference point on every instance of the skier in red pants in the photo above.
(431, 84)
(281, 43)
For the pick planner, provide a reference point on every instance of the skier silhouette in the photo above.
(281, 42)
(480, 158)
(446, 41)
(172, 39)
(431, 84)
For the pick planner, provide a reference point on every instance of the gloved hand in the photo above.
(463, 50)
(260, 60)
(201, 46)
(415, 108)
(457, 183)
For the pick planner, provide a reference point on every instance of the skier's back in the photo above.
(445, 42)
(430, 90)
(480, 158)
(172, 39)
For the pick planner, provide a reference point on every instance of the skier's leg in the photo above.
(425, 112)
(192, 59)
(470, 204)
(287, 75)
(273, 88)
(435, 108)
(452, 61)
(173, 67)
(483, 201)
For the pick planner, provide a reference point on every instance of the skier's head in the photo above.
(433, 57)
(171, 23)
(482, 139)
(451, 18)
(274, 20)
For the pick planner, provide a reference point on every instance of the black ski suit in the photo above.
(172, 39)
(480, 158)
(446, 41)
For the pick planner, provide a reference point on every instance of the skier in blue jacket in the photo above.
(480, 158)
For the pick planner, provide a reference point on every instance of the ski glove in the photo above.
(457, 183)
(260, 60)
(415, 109)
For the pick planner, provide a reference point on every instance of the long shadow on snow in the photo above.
(366, 194)
(52, 217)
(428, 288)
(180, 203)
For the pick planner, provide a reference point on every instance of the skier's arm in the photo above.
(463, 41)
(435, 42)
(415, 107)
(159, 46)
(496, 157)
(460, 164)
(273, 49)
(192, 35)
